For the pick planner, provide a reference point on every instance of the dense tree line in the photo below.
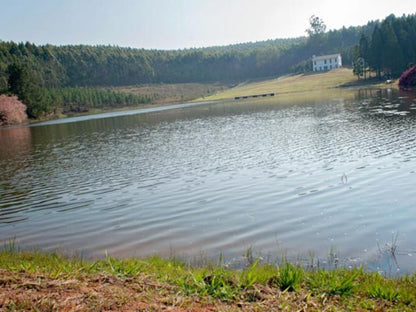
(115, 66)
(81, 65)
(389, 50)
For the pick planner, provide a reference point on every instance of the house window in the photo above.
(330, 60)
(324, 61)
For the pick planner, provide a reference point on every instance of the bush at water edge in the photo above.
(12, 111)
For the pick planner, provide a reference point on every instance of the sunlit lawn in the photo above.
(302, 83)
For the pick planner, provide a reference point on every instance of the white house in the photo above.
(326, 62)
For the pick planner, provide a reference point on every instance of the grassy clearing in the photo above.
(33, 281)
(289, 85)
(174, 93)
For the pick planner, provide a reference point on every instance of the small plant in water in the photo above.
(333, 259)
(249, 255)
(390, 249)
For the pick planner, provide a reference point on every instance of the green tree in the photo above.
(359, 68)
(19, 79)
(364, 47)
(360, 56)
(376, 51)
(392, 56)
(317, 26)
(22, 83)
(3, 84)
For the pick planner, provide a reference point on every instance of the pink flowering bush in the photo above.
(12, 111)
(408, 78)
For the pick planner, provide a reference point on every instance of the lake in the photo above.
(318, 177)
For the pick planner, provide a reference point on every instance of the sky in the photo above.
(180, 24)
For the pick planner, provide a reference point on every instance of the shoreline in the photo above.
(37, 281)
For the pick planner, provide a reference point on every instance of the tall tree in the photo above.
(19, 79)
(376, 55)
(317, 26)
(361, 57)
(392, 51)
(364, 47)
(21, 82)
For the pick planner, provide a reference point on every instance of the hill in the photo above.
(291, 84)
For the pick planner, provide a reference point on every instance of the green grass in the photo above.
(287, 278)
(339, 289)
(336, 282)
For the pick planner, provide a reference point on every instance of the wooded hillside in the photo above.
(58, 66)
(386, 47)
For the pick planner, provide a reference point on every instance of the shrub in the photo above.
(12, 111)
(408, 78)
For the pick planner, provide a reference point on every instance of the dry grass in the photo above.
(294, 84)
(174, 93)
(22, 291)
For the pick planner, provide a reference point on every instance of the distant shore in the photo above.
(309, 85)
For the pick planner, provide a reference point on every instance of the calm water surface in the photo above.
(298, 178)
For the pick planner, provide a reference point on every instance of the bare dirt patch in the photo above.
(25, 292)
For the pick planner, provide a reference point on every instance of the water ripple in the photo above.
(294, 177)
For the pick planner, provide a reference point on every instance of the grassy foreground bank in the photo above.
(33, 281)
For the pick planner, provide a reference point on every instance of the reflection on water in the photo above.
(15, 144)
(15, 141)
(388, 102)
(298, 177)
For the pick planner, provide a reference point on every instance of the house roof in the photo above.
(322, 57)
